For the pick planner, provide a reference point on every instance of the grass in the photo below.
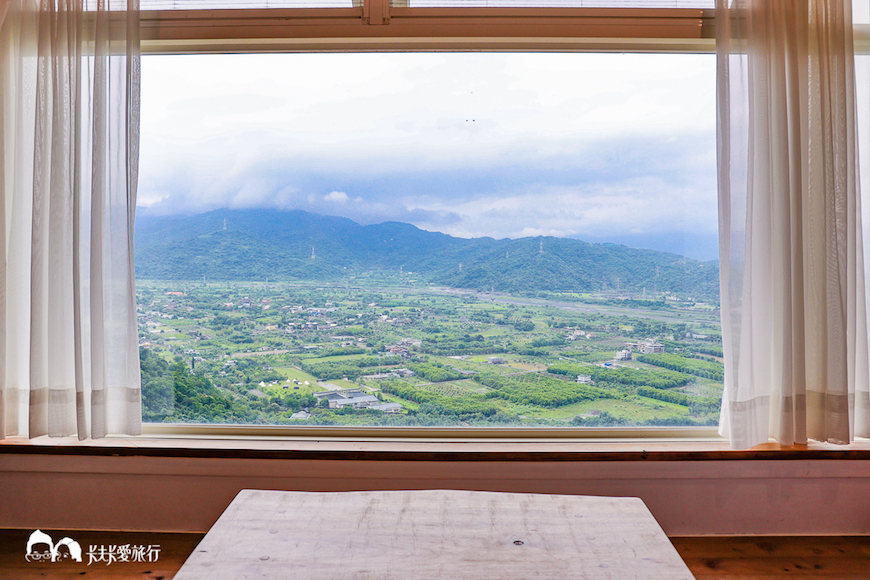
(529, 366)
(703, 388)
(635, 410)
(456, 388)
(294, 373)
(345, 384)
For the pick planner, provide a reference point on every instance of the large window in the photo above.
(417, 238)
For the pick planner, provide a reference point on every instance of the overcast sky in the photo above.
(598, 147)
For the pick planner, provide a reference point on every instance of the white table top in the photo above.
(433, 535)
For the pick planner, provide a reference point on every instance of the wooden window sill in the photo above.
(429, 450)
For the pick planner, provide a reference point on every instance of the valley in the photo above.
(419, 355)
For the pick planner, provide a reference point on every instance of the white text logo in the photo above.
(41, 548)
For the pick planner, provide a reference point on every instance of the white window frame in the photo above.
(376, 26)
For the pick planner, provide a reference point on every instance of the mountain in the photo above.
(260, 244)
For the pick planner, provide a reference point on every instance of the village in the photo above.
(390, 356)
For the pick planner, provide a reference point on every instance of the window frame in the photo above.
(429, 29)
(375, 26)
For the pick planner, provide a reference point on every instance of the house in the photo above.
(652, 347)
(353, 398)
(645, 347)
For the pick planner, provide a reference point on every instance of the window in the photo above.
(298, 338)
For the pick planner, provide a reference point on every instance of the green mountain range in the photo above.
(260, 244)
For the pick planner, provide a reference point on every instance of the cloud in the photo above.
(621, 186)
(336, 196)
(502, 145)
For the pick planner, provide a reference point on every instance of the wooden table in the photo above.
(433, 535)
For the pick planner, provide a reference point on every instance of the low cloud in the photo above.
(629, 154)
(336, 196)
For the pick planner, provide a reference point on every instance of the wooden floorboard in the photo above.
(709, 558)
(776, 557)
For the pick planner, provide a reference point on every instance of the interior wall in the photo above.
(808, 497)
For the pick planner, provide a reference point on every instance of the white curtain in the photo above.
(794, 321)
(69, 107)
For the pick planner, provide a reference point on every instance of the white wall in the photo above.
(188, 494)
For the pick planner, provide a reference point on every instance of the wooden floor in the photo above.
(776, 557)
(720, 558)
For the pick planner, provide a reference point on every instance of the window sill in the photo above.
(692, 487)
(343, 448)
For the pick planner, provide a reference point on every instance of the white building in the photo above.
(344, 397)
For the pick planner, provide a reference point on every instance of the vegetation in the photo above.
(535, 389)
(702, 367)
(472, 407)
(435, 372)
(625, 375)
(257, 352)
(352, 369)
(294, 245)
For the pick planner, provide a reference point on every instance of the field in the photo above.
(260, 353)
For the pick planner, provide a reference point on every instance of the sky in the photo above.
(600, 147)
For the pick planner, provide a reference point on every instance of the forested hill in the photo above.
(261, 244)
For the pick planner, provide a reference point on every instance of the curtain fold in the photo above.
(69, 102)
(794, 323)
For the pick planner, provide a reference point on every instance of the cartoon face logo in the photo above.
(72, 550)
(41, 548)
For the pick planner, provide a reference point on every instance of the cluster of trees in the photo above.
(435, 372)
(532, 351)
(171, 393)
(471, 406)
(605, 419)
(222, 321)
(466, 344)
(702, 367)
(664, 395)
(524, 325)
(328, 370)
(624, 375)
(711, 349)
(540, 346)
(549, 341)
(536, 389)
(341, 351)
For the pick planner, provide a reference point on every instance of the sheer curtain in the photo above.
(794, 321)
(69, 103)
